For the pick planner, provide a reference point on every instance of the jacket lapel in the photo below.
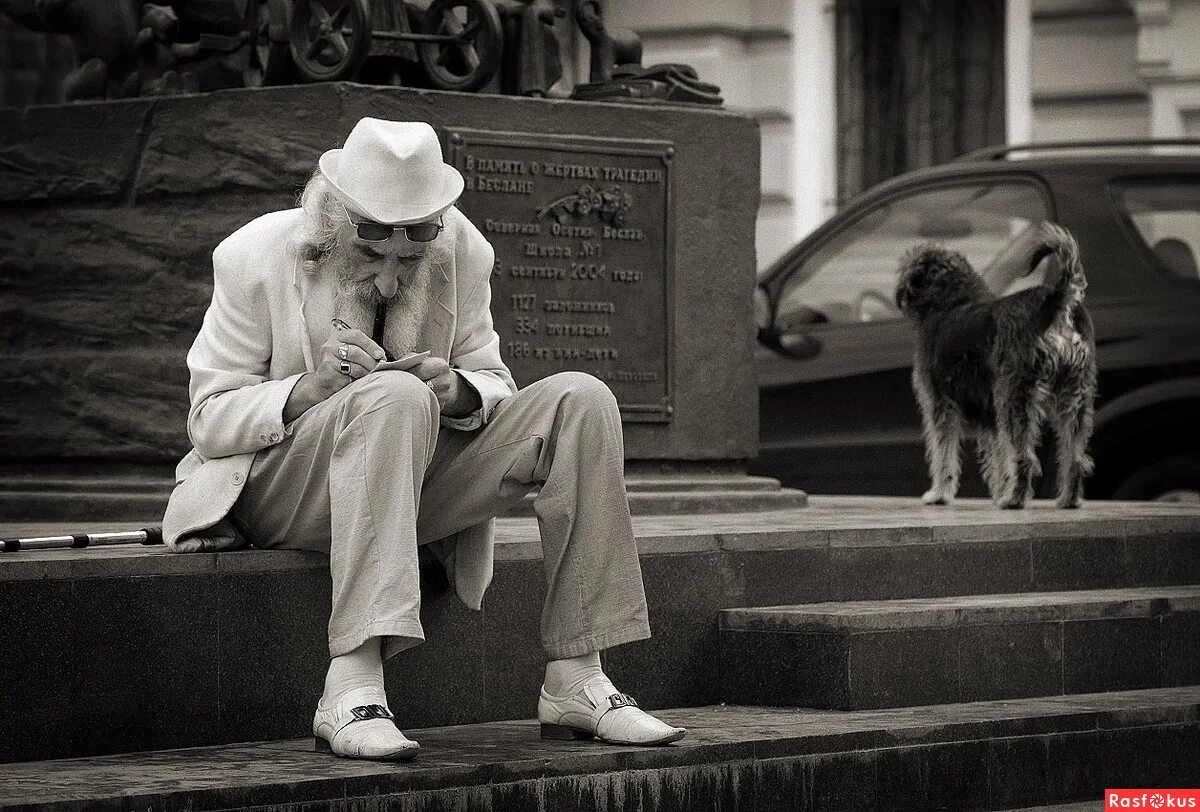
(300, 288)
(441, 315)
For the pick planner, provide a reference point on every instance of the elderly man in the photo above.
(307, 437)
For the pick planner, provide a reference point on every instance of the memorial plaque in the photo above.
(583, 234)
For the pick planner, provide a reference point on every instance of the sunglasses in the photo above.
(378, 232)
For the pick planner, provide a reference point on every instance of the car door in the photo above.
(836, 409)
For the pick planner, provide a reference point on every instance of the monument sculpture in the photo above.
(532, 61)
(127, 48)
(616, 67)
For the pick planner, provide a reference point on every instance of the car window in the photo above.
(852, 278)
(1166, 215)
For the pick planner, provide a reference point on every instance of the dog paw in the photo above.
(1069, 503)
(932, 497)
(1013, 503)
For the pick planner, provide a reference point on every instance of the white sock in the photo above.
(567, 677)
(360, 668)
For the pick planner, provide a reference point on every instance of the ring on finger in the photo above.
(344, 366)
(344, 351)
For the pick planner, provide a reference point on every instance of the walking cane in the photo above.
(147, 535)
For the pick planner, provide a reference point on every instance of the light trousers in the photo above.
(369, 474)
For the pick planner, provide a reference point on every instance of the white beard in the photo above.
(355, 302)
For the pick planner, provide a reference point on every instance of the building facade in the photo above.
(1011, 71)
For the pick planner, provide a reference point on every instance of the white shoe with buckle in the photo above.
(361, 726)
(599, 711)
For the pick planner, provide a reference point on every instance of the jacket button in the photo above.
(274, 436)
(238, 479)
(262, 437)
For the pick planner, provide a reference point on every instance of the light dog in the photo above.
(1004, 366)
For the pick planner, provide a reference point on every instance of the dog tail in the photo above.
(1064, 283)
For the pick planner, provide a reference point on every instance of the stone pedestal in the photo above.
(111, 211)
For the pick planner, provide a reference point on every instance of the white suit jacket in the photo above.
(257, 341)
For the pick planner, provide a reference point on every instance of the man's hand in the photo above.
(362, 354)
(455, 396)
(221, 536)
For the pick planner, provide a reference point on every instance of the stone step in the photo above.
(854, 655)
(108, 639)
(120, 496)
(986, 756)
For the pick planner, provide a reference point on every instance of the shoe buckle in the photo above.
(622, 701)
(364, 712)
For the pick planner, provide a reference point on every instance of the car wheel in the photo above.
(1174, 479)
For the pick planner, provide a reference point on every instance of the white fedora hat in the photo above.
(392, 172)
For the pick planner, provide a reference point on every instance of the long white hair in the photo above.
(323, 213)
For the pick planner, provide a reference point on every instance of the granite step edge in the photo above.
(966, 610)
(470, 755)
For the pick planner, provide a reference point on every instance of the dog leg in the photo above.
(1020, 411)
(1004, 455)
(991, 462)
(943, 438)
(942, 427)
(1074, 413)
(1029, 467)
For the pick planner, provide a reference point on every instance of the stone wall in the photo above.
(109, 213)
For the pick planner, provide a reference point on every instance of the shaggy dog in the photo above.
(1004, 366)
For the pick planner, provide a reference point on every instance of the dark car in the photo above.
(837, 413)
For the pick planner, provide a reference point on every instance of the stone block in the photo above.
(808, 670)
(37, 638)
(678, 665)
(951, 776)
(98, 322)
(443, 680)
(275, 651)
(902, 668)
(957, 776)
(775, 577)
(459, 799)
(1018, 772)
(1181, 649)
(130, 404)
(168, 621)
(1074, 767)
(131, 197)
(1166, 756)
(919, 570)
(846, 782)
(782, 785)
(1010, 661)
(519, 796)
(1180, 557)
(1144, 563)
(970, 648)
(1111, 655)
(1078, 563)
(513, 655)
(66, 153)
(261, 140)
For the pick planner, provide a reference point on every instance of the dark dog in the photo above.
(1004, 366)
